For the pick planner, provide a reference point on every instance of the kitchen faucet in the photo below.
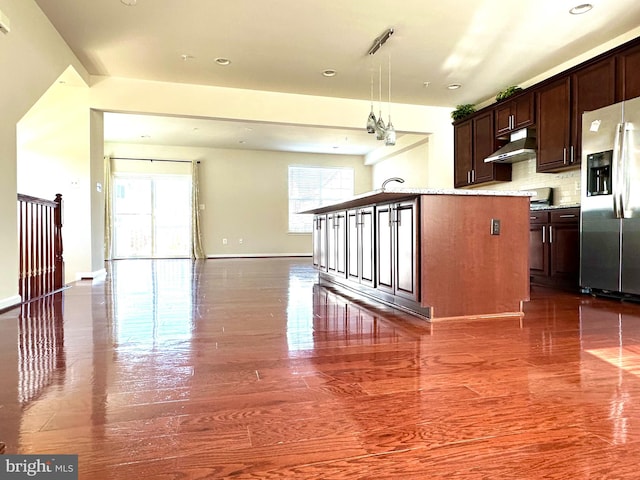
(392, 179)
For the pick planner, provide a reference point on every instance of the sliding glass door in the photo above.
(151, 216)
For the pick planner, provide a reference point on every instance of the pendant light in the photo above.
(380, 128)
(390, 134)
(371, 120)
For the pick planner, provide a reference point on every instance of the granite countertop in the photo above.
(554, 207)
(391, 194)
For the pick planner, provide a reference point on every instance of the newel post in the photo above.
(57, 239)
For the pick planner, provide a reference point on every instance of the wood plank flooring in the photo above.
(245, 368)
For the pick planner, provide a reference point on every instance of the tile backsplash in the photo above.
(566, 185)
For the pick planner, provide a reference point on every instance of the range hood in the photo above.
(522, 146)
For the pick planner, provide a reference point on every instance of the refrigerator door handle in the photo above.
(625, 178)
(617, 174)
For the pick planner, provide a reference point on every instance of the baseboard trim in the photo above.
(258, 255)
(98, 274)
(10, 302)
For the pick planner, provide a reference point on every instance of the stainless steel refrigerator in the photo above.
(610, 203)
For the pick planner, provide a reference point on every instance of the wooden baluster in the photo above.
(59, 263)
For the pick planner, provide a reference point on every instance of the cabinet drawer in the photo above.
(565, 215)
(538, 216)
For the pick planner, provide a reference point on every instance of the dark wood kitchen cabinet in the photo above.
(462, 153)
(360, 246)
(474, 140)
(592, 87)
(560, 105)
(397, 249)
(554, 247)
(627, 78)
(514, 114)
(337, 243)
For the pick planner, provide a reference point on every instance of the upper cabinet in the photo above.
(474, 140)
(627, 68)
(554, 108)
(560, 106)
(553, 103)
(514, 114)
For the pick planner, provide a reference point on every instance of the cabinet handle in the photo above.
(512, 122)
(571, 159)
(544, 236)
(473, 176)
(469, 176)
(564, 155)
(568, 216)
(550, 234)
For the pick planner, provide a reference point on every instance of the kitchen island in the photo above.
(438, 254)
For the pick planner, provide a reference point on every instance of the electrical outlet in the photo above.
(240, 241)
(224, 241)
(495, 226)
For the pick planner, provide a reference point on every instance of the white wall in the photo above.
(245, 193)
(53, 151)
(32, 57)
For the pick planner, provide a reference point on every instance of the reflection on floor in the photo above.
(246, 368)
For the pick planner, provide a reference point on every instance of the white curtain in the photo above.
(108, 218)
(196, 236)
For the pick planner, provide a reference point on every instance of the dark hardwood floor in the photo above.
(245, 368)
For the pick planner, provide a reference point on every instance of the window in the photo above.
(311, 187)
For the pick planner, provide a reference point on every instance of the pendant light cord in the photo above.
(389, 87)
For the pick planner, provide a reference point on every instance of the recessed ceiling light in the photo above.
(580, 9)
(454, 86)
(329, 72)
(223, 61)
(129, 3)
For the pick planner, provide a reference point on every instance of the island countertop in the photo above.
(389, 195)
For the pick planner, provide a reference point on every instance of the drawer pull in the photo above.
(568, 216)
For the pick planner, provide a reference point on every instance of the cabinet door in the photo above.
(406, 250)
(463, 154)
(564, 240)
(332, 244)
(628, 80)
(503, 119)
(565, 252)
(553, 103)
(353, 238)
(592, 87)
(538, 250)
(320, 242)
(340, 230)
(366, 247)
(484, 144)
(523, 111)
(384, 241)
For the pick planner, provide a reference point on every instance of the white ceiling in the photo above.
(284, 45)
